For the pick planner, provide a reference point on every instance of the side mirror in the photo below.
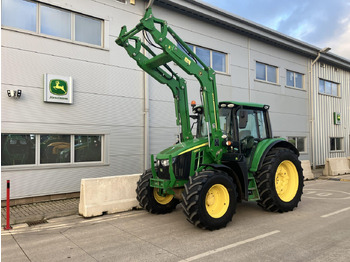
(243, 119)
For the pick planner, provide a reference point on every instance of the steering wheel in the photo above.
(247, 142)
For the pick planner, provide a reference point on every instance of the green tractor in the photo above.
(231, 157)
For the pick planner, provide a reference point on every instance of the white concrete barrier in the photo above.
(305, 164)
(336, 166)
(107, 195)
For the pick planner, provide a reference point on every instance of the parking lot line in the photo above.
(220, 249)
(336, 212)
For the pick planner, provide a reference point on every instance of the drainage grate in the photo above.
(38, 222)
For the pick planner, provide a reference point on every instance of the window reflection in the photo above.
(87, 148)
(87, 30)
(204, 55)
(17, 149)
(55, 22)
(54, 149)
(260, 71)
(219, 61)
(18, 13)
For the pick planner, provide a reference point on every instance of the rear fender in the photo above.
(264, 147)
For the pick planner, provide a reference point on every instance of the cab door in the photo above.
(252, 128)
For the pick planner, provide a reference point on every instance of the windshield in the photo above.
(225, 123)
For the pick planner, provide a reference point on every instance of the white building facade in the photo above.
(85, 109)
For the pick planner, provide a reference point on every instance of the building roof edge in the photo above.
(214, 15)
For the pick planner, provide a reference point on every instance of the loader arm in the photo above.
(188, 61)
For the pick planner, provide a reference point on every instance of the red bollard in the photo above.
(8, 227)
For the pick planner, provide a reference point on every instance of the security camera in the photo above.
(14, 93)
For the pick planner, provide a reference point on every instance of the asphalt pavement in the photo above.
(317, 230)
(37, 213)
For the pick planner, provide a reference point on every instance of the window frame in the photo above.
(325, 93)
(103, 35)
(335, 144)
(266, 73)
(296, 138)
(71, 163)
(294, 81)
(194, 47)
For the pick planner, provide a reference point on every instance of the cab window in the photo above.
(251, 123)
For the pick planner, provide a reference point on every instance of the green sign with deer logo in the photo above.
(58, 89)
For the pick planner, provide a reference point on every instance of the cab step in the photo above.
(253, 193)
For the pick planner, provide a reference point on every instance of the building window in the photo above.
(328, 88)
(17, 149)
(49, 24)
(212, 58)
(266, 72)
(295, 79)
(54, 21)
(20, 14)
(87, 148)
(21, 149)
(336, 143)
(88, 30)
(54, 149)
(299, 143)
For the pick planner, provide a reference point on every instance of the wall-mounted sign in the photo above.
(337, 118)
(58, 89)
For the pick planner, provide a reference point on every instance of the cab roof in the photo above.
(245, 104)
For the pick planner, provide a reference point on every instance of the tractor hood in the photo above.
(181, 148)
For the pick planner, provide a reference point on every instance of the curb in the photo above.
(338, 179)
(335, 179)
(14, 220)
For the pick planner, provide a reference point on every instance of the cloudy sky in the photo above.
(318, 22)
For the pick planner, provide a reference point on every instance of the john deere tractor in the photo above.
(231, 157)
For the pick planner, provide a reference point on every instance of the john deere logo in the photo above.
(58, 87)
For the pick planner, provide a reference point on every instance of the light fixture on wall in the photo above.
(14, 93)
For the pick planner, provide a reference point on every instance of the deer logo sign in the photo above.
(58, 87)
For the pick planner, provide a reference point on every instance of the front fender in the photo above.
(264, 147)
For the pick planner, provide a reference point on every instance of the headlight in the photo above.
(164, 162)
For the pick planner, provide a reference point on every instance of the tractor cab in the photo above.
(244, 125)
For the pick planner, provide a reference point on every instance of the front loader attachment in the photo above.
(173, 49)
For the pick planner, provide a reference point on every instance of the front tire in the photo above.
(280, 181)
(149, 198)
(209, 199)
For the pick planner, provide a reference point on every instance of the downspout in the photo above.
(146, 120)
(146, 159)
(249, 82)
(313, 97)
(311, 103)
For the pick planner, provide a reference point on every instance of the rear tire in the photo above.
(209, 199)
(280, 181)
(149, 198)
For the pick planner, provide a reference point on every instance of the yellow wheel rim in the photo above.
(163, 200)
(217, 201)
(286, 181)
